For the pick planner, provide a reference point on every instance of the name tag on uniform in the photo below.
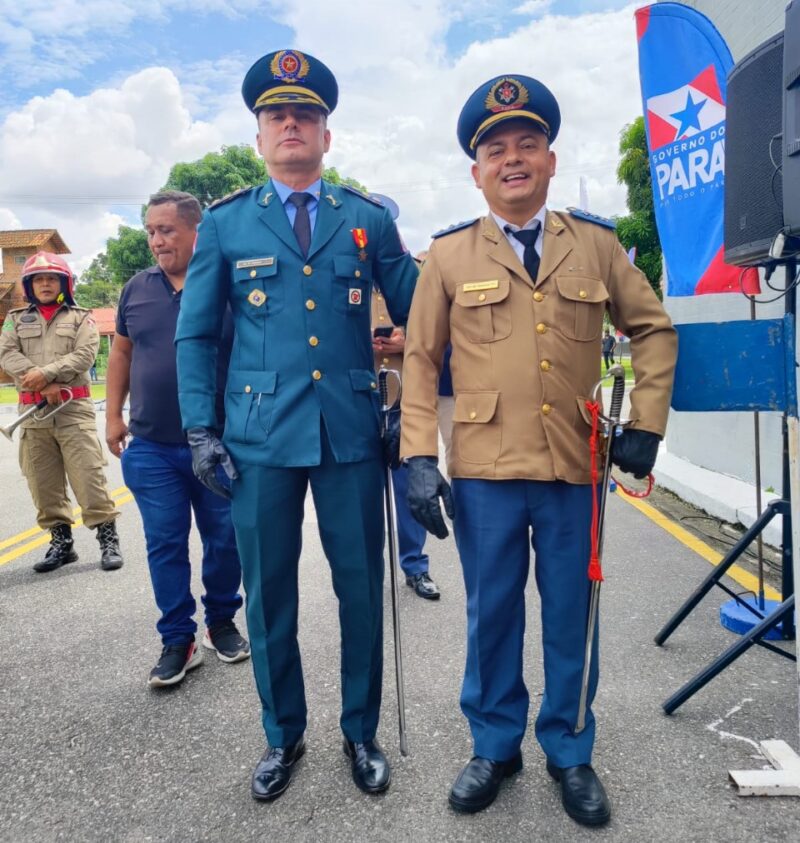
(481, 285)
(254, 262)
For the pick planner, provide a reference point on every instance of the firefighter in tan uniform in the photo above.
(520, 294)
(46, 347)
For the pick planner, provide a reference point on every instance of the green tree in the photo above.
(638, 228)
(331, 174)
(94, 288)
(127, 254)
(218, 173)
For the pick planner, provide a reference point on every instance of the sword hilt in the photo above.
(617, 392)
(383, 388)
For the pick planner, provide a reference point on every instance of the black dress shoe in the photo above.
(424, 586)
(371, 770)
(582, 794)
(478, 783)
(274, 771)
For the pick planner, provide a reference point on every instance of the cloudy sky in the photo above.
(102, 97)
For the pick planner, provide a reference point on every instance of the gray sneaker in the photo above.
(225, 639)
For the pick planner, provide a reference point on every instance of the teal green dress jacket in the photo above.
(302, 352)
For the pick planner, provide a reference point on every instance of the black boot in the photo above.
(110, 558)
(61, 549)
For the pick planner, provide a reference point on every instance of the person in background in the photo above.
(157, 462)
(48, 347)
(388, 342)
(608, 344)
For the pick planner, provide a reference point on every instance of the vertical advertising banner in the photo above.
(683, 68)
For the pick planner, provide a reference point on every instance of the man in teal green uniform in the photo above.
(296, 259)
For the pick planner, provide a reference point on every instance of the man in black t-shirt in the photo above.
(157, 461)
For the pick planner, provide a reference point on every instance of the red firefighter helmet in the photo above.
(48, 262)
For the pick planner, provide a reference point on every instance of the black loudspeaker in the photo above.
(791, 120)
(753, 189)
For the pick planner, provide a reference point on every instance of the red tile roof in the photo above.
(33, 237)
(106, 318)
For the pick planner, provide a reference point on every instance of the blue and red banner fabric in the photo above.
(683, 68)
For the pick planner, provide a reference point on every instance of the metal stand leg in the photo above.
(732, 653)
(780, 507)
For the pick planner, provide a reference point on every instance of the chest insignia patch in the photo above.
(257, 297)
(355, 295)
(481, 285)
(28, 317)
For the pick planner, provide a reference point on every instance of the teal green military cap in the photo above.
(289, 76)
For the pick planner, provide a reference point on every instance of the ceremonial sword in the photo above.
(391, 539)
(613, 428)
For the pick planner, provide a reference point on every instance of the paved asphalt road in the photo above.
(89, 753)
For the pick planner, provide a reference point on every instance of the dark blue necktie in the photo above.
(530, 257)
(302, 221)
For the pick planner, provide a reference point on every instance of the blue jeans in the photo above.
(410, 533)
(166, 491)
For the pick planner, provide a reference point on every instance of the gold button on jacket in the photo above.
(505, 425)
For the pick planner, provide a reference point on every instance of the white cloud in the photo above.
(45, 41)
(394, 129)
(66, 161)
(534, 8)
(9, 220)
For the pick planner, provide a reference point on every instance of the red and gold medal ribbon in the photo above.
(360, 237)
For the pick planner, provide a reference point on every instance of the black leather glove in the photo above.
(425, 486)
(391, 440)
(635, 452)
(208, 453)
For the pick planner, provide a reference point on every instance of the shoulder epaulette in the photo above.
(18, 309)
(457, 227)
(587, 217)
(361, 195)
(230, 197)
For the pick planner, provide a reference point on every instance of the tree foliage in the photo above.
(94, 287)
(218, 173)
(638, 228)
(125, 255)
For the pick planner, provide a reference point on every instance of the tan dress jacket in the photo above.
(64, 348)
(525, 354)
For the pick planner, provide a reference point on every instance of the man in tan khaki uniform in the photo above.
(48, 348)
(521, 294)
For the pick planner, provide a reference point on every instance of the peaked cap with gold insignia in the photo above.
(508, 97)
(289, 76)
